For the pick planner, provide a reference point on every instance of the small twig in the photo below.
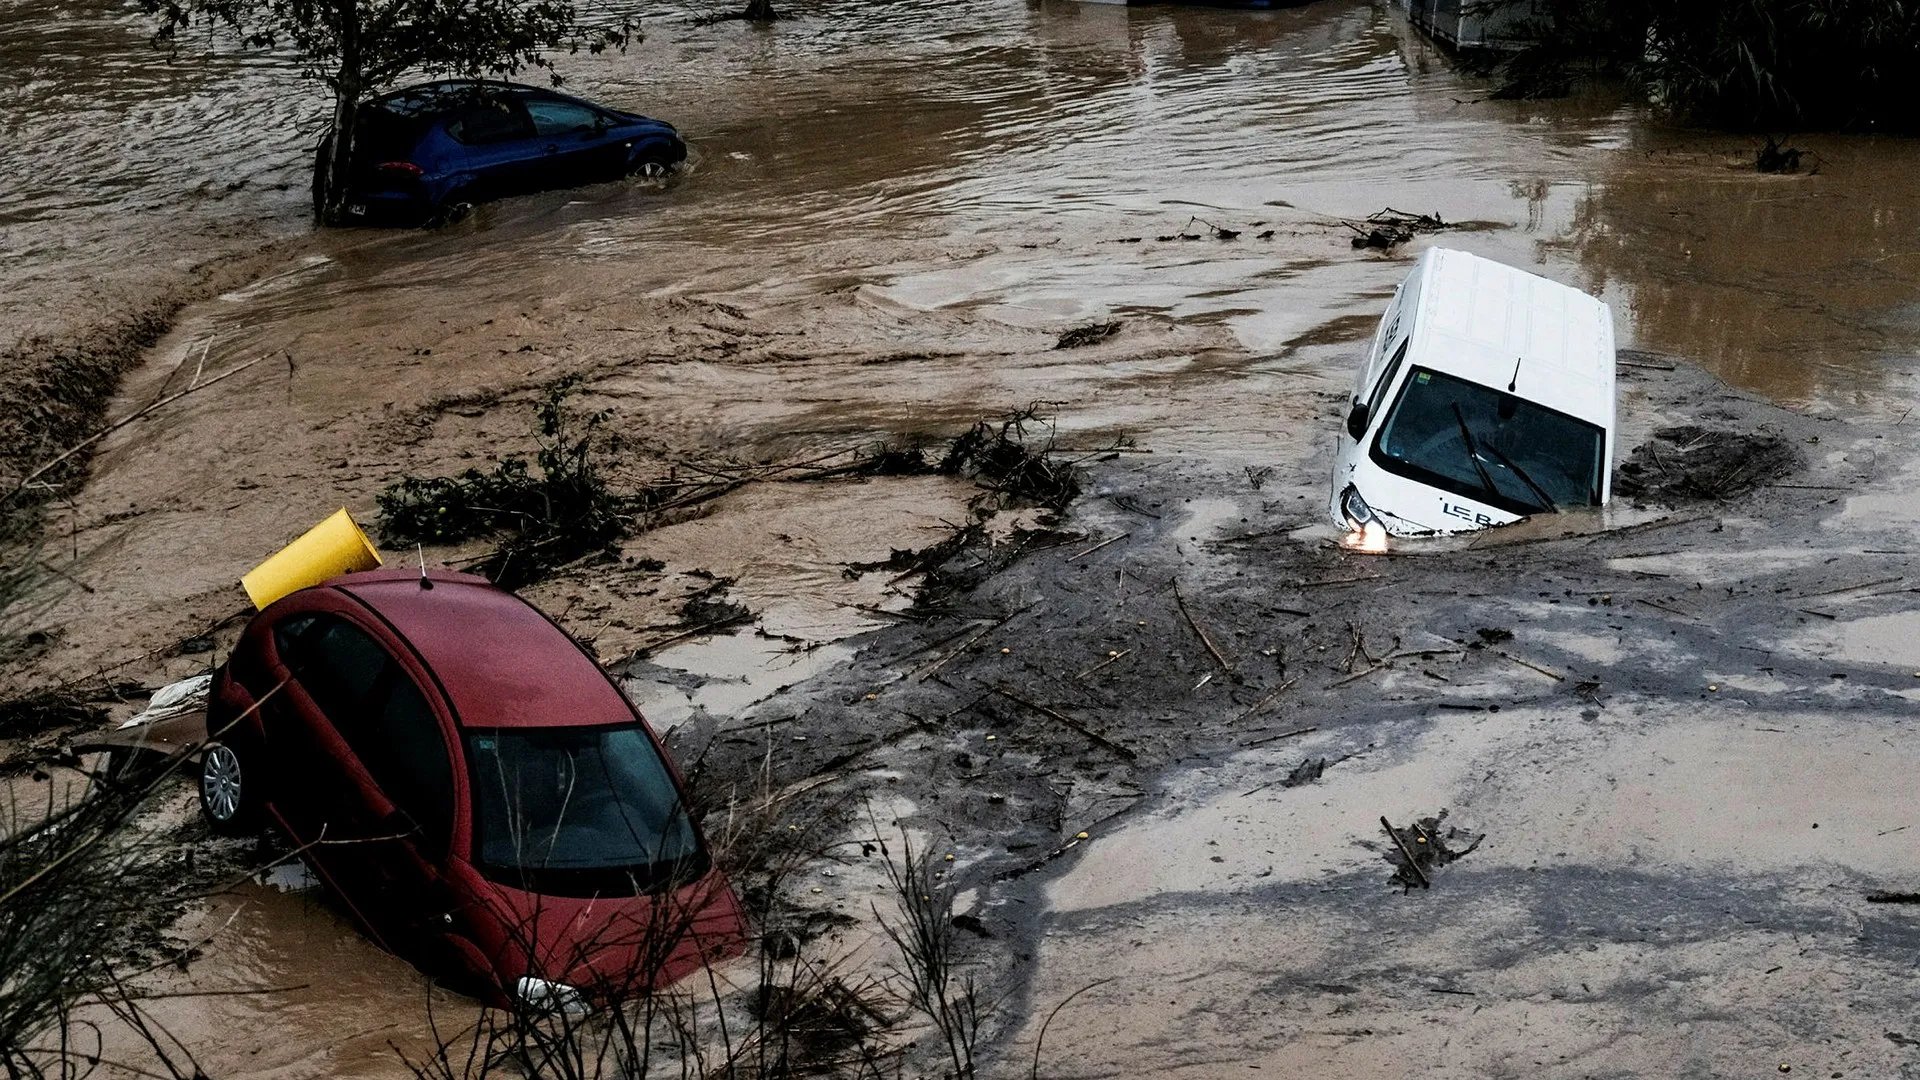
(1114, 659)
(1262, 703)
(1197, 629)
(1282, 735)
(56, 571)
(1097, 547)
(1022, 871)
(1357, 676)
(1069, 721)
(1531, 666)
(1338, 581)
(1412, 863)
(1041, 1040)
(1848, 588)
(1658, 606)
(927, 672)
(695, 631)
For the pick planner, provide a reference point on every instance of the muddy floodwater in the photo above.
(891, 213)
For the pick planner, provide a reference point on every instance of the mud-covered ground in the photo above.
(1682, 739)
(1677, 729)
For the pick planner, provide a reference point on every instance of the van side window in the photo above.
(1386, 378)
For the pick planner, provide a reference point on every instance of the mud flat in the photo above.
(1676, 728)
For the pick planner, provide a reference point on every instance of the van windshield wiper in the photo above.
(1473, 451)
(1546, 500)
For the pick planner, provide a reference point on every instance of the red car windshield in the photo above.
(579, 811)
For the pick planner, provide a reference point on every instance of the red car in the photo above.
(471, 784)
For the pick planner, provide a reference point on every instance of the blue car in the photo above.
(426, 153)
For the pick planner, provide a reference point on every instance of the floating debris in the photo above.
(1689, 462)
(1389, 228)
(1092, 334)
(1774, 158)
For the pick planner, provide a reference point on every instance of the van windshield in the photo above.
(579, 811)
(1479, 442)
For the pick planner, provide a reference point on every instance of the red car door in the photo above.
(354, 726)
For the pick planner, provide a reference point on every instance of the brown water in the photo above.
(983, 157)
(905, 202)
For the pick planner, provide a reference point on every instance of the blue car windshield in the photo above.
(1489, 445)
(579, 811)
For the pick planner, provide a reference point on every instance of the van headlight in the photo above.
(1368, 533)
(1359, 515)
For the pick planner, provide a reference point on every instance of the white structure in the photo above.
(1488, 396)
(1471, 24)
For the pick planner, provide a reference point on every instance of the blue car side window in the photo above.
(490, 122)
(561, 117)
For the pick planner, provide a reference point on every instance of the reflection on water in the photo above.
(990, 155)
(1800, 287)
(122, 170)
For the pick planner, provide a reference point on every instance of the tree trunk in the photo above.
(332, 164)
(760, 11)
(332, 161)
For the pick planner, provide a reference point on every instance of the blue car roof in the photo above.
(429, 99)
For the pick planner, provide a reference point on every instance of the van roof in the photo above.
(1478, 319)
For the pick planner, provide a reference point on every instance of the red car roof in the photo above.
(503, 664)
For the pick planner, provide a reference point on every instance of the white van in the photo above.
(1487, 397)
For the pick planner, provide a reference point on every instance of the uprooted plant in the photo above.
(548, 512)
(1389, 228)
(559, 507)
(1013, 465)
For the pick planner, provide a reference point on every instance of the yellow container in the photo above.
(335, 546)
